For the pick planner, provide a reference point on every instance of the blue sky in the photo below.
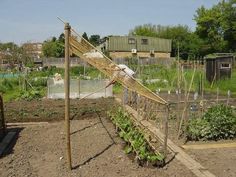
(36, 20)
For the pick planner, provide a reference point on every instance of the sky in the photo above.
(36, 20)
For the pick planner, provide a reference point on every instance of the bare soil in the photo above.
(39, 150)
(221, 162)
(97, 151)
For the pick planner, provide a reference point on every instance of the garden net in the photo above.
(86, 51)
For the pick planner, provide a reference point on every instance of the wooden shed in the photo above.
(219, 67)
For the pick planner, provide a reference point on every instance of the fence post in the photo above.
(166, 129)
(79, 86)
(2, 115)
(228, 93)
(67, 92)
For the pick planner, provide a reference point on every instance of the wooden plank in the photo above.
(209, 146)
(6, 141)
(181, 156)
(26, 123)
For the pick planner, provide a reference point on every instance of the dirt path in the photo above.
(221, 162)
(97, 152)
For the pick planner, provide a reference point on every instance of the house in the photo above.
(33, 49)
(139, 46)
(219, 67)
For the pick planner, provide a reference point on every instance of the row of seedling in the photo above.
(135, 140)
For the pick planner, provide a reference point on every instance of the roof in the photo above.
(121, 43)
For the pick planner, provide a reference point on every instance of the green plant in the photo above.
(134, 138)
(31, 94)
(219, 122)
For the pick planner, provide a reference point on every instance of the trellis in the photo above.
(77, 45)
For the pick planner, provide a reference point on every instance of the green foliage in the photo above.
(94, 39)
(85, 36)
(217, 26)
(135, 139)
(54, 47)
(219, 122)
(117, 88)
(31, 94)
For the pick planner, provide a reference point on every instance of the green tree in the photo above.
(94, 39)
(61, 38)
(85, 36)
(54, 47)
(217, 26)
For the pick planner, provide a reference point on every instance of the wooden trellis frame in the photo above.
(76, 44)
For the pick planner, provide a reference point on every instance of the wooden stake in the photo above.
(2, 114)
(184, 113)
(166, 130)
(67, 93)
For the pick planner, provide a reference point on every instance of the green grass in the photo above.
(170, 75)
(11, 89)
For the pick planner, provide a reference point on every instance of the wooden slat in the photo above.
(210, 146)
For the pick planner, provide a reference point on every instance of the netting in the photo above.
(79, 89)
(82, 48)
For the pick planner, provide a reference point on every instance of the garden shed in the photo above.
(219, 67)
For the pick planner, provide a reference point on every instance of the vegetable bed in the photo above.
(135, 140)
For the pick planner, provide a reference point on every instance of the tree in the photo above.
(181, 36)
(61, 38)
(15, 54)
(54, 47)
(94, 39)
(217, 26)
(85, 36)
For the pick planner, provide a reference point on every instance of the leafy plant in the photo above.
(219, 122)
(31, 94)
(134, 138)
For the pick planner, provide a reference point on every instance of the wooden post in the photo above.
(166, 129)
(67, 93)
(217, 95)
(2, 115)
(228, 97)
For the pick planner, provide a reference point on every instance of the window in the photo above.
(225, 65)
(144, 41)
(131, 41)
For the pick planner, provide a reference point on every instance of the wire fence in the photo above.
(180, 110)
(79, 89)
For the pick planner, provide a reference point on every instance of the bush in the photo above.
(219, 122)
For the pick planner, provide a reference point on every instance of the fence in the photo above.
(2, 121)
(60, 62)
(79, 88)
(145, 61)
(179, 112)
